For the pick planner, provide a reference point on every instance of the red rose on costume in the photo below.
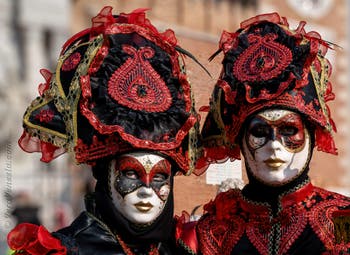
(226, 206)
(34, 240)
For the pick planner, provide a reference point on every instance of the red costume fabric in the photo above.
(235, 224)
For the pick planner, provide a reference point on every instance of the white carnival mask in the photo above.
(276, 146)
(140, 185)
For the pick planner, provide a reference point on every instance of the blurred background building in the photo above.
(32, 33)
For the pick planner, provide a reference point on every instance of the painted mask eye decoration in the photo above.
(283, 126)
(140, 185)
(149, 171)
(276, 146)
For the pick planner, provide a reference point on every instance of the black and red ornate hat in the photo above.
(267, 64)
(118, 86)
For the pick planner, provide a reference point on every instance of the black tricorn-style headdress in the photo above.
(267, 64)
(119, 86)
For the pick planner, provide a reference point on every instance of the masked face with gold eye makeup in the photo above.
(276, 146)
(140, 184)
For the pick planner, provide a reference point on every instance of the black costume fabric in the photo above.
(89, 234)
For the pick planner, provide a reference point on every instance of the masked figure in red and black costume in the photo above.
(120, 101)
(270, 107)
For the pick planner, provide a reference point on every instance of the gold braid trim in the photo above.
(68, 104)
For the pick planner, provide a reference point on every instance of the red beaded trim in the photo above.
(71, 62)
(99, 149)
(98, 59)
(45, 116)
